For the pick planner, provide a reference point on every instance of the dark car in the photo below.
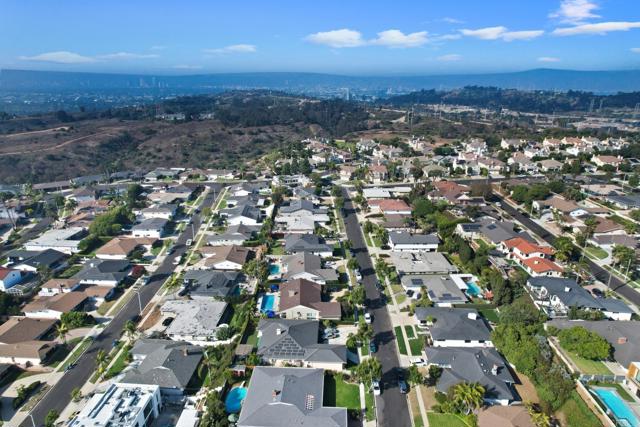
(402, 384)
(372, 347)
(598, 293)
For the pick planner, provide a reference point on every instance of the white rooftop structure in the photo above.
(61, 240)
(196, 321)
(121, 405)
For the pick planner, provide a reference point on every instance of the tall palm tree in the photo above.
(62, 330)
(101, 362)
(130, 330)
(469, 395)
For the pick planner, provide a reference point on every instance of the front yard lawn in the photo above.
(402, 347)
(445, 420)
(596, 252)
(409, 331)
(416, 346)
(339, 393)
(370, 413)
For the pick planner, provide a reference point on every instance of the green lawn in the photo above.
(596, 252)
(409, 331)
(277, 250)
(339, 393)
(365, 348)
(367, 239)
(370, 413)
(402, 347)
(416, 346)
(578, 414)
(400, 298)
(589, 367)
(119, 364)
(445, 420)
(490, 314)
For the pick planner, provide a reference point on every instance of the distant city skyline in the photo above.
(347, 37)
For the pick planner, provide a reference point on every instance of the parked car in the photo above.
(189, 242)
(402, 384)
(419, 362)
(177, 260)
(598, 293)
(170, 250)
(358, 275)
(375, 386)
(410, 292)
(368, 318)
(372, 347)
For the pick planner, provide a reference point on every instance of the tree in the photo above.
(590, 224)
(257, 269)
(134, 195)
(101, 362)
(435, 372)
(416, 169)
(414, 376)
(352, 263)
(469, 396)
(564, 248)
(584, 343)
(538, 418)
(215, 414)
(62, 330)
(130, 330)
(357, 295)
(77, 319)
(224, 333)
(623, 255)
(368, 370)
(76, 394)
(50, 419)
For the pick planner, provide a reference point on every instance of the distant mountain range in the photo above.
(314, 83)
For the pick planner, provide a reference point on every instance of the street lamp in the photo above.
(32, 421)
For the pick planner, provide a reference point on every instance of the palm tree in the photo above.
(469, 396)
(101, 362)
(539, 419)
(62, 330)
(130, 330)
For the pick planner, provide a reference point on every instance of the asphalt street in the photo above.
(392, 407)
(60, 395)
(598, 272)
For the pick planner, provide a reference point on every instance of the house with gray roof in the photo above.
(288, 397)
(168, 364)
(470, 365)
(295, 341)
(421, 263)
(454, 327)
(626, 201)
(310, 243)
(491, 231)
(103, 272)
(301, 216)
(151, 227)
(211, 283)
(404, 241)
(235, 235)
(305, 265)
(556, 296)
(242, 214)
(441, 290)
(195, 321)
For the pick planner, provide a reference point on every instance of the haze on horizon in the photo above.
(366, 38)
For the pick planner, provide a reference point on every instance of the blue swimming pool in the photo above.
(267, 303)
(473, 289)
(274, 269)
(234, 399)
(623, 413)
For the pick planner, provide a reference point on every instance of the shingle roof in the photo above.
(104, 269)
(455, 323)
(18, 329)
(305, 243)
(406, 238)
(211, 283)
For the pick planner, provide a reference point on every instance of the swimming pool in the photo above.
(623, 413)
(473, 289)
(267, 303)
(274, 269)
(234, 399)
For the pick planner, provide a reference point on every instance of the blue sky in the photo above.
(345, 37)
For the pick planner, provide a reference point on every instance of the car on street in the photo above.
(598, 293)
(189, 242)
(402, 384)
(368, 318)
(372, 347)
(170, 250)
(177, 260)
(375, 386)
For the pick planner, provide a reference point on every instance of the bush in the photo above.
(24, 393)
(77, 319)
(584, 343)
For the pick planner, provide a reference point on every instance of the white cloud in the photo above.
(446, 37)
(158, 47)
(548, 59)
(187, 67)
(234, 48)
(127, 55)
(521, 35)
(501, 32)
(635, 49)
(397, 39)
(597, 28)
(450, 57)
(59, 57)
(452, 20)
(337, 38)
(575, 11)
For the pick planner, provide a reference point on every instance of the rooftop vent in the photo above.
(472, 316)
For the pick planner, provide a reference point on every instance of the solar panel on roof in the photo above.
(417, 282)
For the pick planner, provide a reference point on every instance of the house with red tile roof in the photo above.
(390, 206)
(520, 249)
(542, 267)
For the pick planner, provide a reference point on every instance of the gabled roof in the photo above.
(48, 258)
(232, 253)
(455, 323)
(301, 205)
(18, 329)
(305, 262)
(305, 243)
(406, 238)
(386, 205)
(62, 303)
(526, 247)
(211, 283)
(541, 265)
(151, 224)
(104, 269)
(467, 364)
(309, 294)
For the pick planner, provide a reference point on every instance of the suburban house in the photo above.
(305, 265)
(450, 192)
(403, 241)
(308, 243)
(559, 204)
(603, 160)
(505, 416)
(152, 228)
(103, 272)
(54, 307)
(624, 201)
(295, 341)
(454, 327)
(242, 214)
(346, 172)
(195, 321)
(541, 267)
(58, 286)
(421, 263)
(65, 240)
(160, 173)
(550, 165)
(123, 247)
(165, 363)
(22, 340)
(235, 235)
(443, 291)
(231, 257)
(519, 249)
(26, 353)
(288, 397)
(165, 211)
(9, 278)
(556, 296)
(389, 206)
(211, 284)
(484, 366)
(491, 231)
(378, 173)
(302, 299)
(49, 259)
(512, 144)
(301, 212)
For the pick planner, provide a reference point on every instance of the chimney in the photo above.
(494, 369)
(278, 331)
(472, 316)
(567, 289)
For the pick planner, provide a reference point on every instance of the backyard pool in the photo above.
(234, 399)
(615, 404)
(473, 289)
(267, 303)
(274, 269)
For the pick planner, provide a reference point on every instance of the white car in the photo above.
(368, 318)
(375, 385)
(358, 275)
(419, 362)
(189, 242)
(177, 259)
